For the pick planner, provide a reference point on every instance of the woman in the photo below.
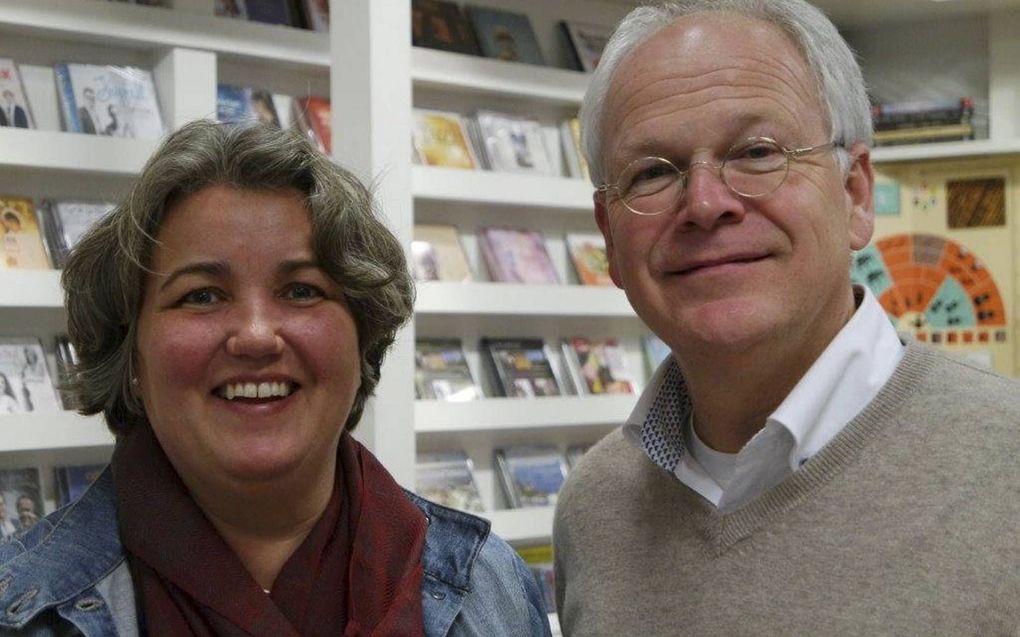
(8, 401)
(231, 318)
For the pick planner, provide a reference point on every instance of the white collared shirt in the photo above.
(842, 381)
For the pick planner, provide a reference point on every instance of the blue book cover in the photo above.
(232, 104)
(531, 475)
(505, 35)
(269, 11)
(68, 105)
(73, 481)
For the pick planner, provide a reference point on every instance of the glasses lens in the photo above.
(755, 167)
(650, 186)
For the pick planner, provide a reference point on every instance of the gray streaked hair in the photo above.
(104, 279)
(841, 87)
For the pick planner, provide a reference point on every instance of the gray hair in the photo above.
(104, 279)
(838, 76)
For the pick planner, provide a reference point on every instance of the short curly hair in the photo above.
(104, 278)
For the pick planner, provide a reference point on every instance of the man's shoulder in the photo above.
(952, 380)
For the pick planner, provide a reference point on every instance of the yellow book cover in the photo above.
(588, 252)
(22, 247)
(441, 140)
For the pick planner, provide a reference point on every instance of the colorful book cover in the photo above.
(441, 370)
(531, 475)
(69, 221)
(514, 144)
(440, 24)
(14, 109)
(598, 366)
(25, 383)
(588, 252)
(521, 367)
(22, 247)
(517, 256)
(117, 101)
(313, 115)
(269, 11)
(447, 478)
(505, 35)
(438, 255)
(73, 481)
(243, 104)
(587, 41)
(441, 140)
(21, 505)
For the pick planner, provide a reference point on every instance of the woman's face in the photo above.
(247, 352)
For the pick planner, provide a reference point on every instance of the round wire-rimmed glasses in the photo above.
(755, 167)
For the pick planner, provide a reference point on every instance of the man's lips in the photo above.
(697, 265)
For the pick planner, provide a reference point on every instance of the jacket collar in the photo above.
(452, 542)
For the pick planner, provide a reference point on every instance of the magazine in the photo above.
(441, 370)
(539, 560)
(25, 383)
(117, 101)
(598, 366)
(67, 222)
(270, 12)
(441, 140)
(514, 144)
(587, 42)
(313, 116)
(242, 104)
(588, 252)
(505, 35)
(440, 24)
(14, 109)
(437, 254)
(447, 478)
(67, 360)
(22, 247)
(521, 367)
(531, 475)
(570, 135)
(517, 256)
(21, 505)
(73, 481)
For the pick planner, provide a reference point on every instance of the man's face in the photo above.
(25, 505)
(720, 272)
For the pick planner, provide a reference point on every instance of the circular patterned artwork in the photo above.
(927, 282)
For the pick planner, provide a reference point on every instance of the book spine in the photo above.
(506, 479)
(495, 369)
(68, 105)
(496, 272)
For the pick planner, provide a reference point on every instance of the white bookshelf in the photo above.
(947, 150)
(512, 299)
(491, 414)
(72, 152)
(531, 525)
(501, 189)
(30, 289)
(63, 430)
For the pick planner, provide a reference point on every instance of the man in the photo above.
(7, 527)
(27, 515)
(10, 113)
(88, 116)
(793, 468)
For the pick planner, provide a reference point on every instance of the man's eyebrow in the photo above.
(212, 268)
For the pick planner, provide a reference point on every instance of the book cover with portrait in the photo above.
(21, 503)
(21, 236)
(14, 107)
(115, 101)
(505, 35)
(440, 24)
(25, 382)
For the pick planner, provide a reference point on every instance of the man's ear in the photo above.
(602, 219)
(860, 188)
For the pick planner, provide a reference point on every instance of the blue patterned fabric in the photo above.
(662, 436)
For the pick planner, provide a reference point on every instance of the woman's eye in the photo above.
(203, 296)
(302, 292)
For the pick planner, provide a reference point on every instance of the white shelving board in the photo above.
(437, 416)
(30, 289)
(55, 150)
(945, 150)
(530, 525)
(501, 189)
(63, 430)
(511, 299)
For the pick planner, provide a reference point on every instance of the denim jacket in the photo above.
(69, 575)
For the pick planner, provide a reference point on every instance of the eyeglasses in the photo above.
(754, 167)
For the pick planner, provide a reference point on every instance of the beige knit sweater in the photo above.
(907, 523)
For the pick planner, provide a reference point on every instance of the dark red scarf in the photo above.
(358, 572)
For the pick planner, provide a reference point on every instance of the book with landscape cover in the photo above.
(116, 101)
(517, 256)
(447, 478)
(441, 370)
(521, 367)
(14, 108)
(438, 255)
(598, 366)
(588, 252)
(21, 236)
(514, 144)
(21, 498)
(440, 24)
(505, 35)
(442, 140)
(531, 475)
(25, 382)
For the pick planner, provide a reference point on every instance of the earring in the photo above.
(134, 381)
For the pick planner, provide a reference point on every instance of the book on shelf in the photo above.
(271, 12)
(316, 15)
(116, 101)
(514, 144)
(25, 382)
(437, 254)
(539, 560)
(521, 367)
(598, 366)
(67, 222)
(441, 370)
(441, 139)
(531, 475)
(312, 116)
(67, 361)
(585, 43)
(72, 481)
(655, 352)
(447, 478)
(588, 253)
(575, 453)
(440, 24)
(924, 134)
(21, 504)
(505, 35)
(22, 247)
(517, 256)
(243, 104)
(920, 113)
(230, 9)
(570, 135)
(14, 108)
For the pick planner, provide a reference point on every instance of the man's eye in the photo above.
(756, 152)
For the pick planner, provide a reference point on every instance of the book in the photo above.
(441, 370)
(924, 134)
(531, 475)
(539, 560)
(118, 101)
(439, 24)
(73, 481)
(21, 505)
(67, 361)
(909, 114)
(22, 247)
(656, 351)
(517, 256)
(570, 134)
(14, 108)
(447, 478)
(598, 366)
(242, 104)
(575, 453)
(441, 140)
(313, 116)
(514, 144)
(521, 367)
(437, 254)
(505, 35)
(67, 222)
(585, 43)
(25, 383)
(316, 14)
(230, 9)
(588, 253)
(270, 12)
